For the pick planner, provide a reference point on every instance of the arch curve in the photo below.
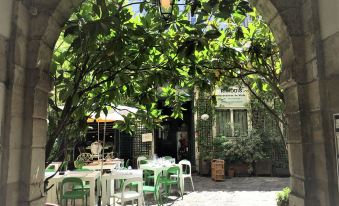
(30, 52)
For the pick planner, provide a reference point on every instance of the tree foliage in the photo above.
(108, 54)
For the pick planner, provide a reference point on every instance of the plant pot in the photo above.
(204, 167)
(230, 172)
(241, 169)
(281, 172)
(263, 167)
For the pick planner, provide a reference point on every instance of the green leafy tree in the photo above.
(109, 55)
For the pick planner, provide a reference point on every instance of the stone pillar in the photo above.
(14, 108)
(45, 27)
(26, 87)
(5, 28)
(3, 77)
(309, 83)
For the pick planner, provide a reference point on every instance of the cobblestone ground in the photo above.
(240, 191)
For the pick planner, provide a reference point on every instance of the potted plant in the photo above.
(242, 152)
(281, 168)
(230, 172)
(283, 197)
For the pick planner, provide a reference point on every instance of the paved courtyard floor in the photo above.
(238, 191)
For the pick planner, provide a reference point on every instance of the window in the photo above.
(240, 122)
(224, 122)
(231, 122)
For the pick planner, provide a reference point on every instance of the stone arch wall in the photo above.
(311, 142)
(36, 26)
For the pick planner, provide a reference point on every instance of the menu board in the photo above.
(147, 137)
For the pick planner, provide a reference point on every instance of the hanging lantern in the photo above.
(166, 8)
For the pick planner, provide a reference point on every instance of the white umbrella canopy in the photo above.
(113, 115)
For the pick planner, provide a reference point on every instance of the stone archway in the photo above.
(308, 68)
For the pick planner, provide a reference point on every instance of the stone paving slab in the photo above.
(239, 191)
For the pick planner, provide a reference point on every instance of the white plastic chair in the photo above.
(96, 149)
(139, 159)
(130, 195)
(182, 164)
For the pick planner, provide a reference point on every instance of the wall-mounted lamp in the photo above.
(205, 117)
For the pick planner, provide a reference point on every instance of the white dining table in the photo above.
(88, 176)
(107, 181)
(157, 168)
(98, 167)
(112, 164)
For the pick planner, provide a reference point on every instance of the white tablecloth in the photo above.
(107, 181)
(88, 176)
(106, 165)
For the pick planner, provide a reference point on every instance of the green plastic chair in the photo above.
(126, 164)
(83, 170)
(50, 168)
(148, 174)
(63, 166)
(155, 189)
(78, 164)
(168, 181)
(142, 162)
(168, 157)
(79, 193)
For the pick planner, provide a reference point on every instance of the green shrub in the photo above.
(283, 196)
(244, 149)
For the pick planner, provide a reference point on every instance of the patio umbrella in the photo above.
(113, 115)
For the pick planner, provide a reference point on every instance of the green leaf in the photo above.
(212, 34)
(70, 30)
(244, 7)
(96, 10)
(239, 33)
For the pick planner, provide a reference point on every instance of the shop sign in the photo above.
(232, 97)
(147, 137)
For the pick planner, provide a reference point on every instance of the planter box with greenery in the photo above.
(242, 152)
(263, 167)
(281, 172)
(280, 169)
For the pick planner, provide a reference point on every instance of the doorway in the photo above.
(175, 136)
